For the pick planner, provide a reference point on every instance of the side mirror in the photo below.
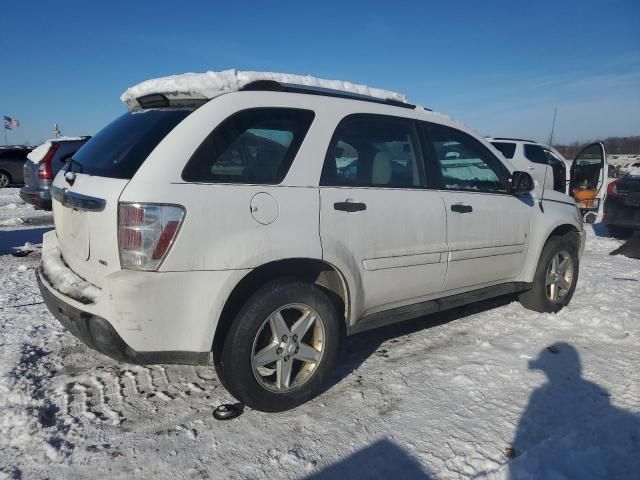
(521, 182)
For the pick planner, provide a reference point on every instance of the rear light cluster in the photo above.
(146, 233)
(44, 169)
(612, 189)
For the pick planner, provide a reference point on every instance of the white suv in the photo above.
(584, 179)
(253, 225)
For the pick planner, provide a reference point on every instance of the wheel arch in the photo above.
(315, 271)
(556, 230)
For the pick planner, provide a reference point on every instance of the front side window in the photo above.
(252, 146)
(373, 151)
(465, 163)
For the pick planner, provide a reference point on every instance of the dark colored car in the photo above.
(622, 206)
(11, 161)
(42, 166)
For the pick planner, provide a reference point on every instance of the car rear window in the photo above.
(254, 146)
(118, 150)
(507, 149)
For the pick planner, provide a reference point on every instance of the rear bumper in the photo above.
(141, 317)
(36, 197)
(620, 215)
(99, 334)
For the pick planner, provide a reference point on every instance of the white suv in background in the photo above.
(584, 179)
(251, 220)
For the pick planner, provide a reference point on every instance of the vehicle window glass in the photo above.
(535, 154)
(508, 149)
(559, 171)
(371, 150)
(118, 150)
(587, 167)
(251, 146)
(465, 163)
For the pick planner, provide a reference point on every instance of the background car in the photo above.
(633, 168)
(622, 206)
(584, 179)
(43, 163)
(11, 161)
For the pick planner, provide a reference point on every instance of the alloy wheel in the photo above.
(288, 348)
(559, 276)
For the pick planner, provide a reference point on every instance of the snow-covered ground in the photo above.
(14, 213)
(491, 390)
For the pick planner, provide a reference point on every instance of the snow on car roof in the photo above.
(213, 84)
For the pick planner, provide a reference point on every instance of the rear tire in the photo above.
(554, 281)
(281, 347)
(5, 179)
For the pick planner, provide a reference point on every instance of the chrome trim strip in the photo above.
(78, 201)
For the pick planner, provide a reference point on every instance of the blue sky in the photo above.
(499, 66)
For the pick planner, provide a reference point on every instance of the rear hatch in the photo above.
(86, 192)
(30, 173)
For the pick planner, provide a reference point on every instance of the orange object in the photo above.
(584, 196)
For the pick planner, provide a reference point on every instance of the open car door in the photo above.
(588, 178)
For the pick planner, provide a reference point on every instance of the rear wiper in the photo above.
(78, 166)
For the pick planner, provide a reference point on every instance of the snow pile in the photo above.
(11, 222)
(213, 84)
(65, 280)
(37, 154)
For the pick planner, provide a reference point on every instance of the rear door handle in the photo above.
(461, 208)
(350, 206)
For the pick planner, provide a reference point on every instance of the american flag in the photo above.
(10, 123)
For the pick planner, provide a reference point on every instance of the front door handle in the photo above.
(350, 206)
(461, 208)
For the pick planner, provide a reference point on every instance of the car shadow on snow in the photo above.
(11, 239)
(570, 429)
(382, 459)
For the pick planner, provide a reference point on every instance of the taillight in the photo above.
(44, 169)
(612, 189)
(146, 233)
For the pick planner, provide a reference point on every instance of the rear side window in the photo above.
(508, 149)
(465, 163)
(536, 154)
(252, 146)
(373, 151)
(118, 150)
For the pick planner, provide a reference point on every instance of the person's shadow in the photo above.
(570, 429)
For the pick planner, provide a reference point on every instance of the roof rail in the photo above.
(514, 139)
(274, 86)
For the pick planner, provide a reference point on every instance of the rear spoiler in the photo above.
(166, 100)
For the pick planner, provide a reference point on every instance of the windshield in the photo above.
(118, 150)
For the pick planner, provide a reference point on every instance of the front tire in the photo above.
(281, 347)
(555, 278)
